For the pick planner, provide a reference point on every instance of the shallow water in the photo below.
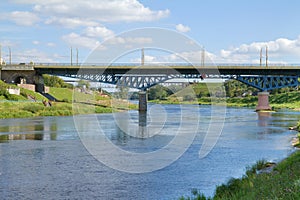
(44, 158)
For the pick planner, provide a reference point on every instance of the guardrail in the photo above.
(146, 64)
(17, 67)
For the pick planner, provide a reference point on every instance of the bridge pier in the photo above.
(263, 102)
(143, 101)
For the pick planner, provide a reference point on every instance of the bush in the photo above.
(33, 107)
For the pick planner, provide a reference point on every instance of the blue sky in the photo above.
(232, 31)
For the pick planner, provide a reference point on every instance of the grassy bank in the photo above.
(279, 101)
(283, 182)
(10, 109)
(70, 102)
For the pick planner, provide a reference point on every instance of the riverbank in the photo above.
(283, 182)
(264, 180)
(15, 109)
(289, 101)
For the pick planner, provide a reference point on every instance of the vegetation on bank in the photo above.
(11, 109)
(283, 182)
(232, 93)
(70, 101)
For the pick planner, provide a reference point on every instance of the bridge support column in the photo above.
(263, 101)
(143, 101)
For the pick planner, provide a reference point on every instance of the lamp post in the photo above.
(9, 49)
(71, 56)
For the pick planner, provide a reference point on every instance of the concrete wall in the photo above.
(27, 86)
(14, 91)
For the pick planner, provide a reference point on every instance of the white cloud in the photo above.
(98, 31)
(70, 22)
(130, 40)
(92, 12)
(36, 42)
(77, 40)
(182, 28)
(279, 51)
(21, 18)
(51, 44)
(147, 59)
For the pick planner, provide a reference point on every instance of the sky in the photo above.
(230, 31)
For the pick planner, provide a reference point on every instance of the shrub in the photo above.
(33, 107)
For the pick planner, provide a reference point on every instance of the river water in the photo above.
(45, 158)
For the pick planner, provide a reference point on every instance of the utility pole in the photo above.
(260, 58)
(266, 56)
(9, 55)
(143, 57)
(77, 56)
(71, 56)
(202, 57)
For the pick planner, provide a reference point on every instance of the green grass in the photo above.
(34, 109)
(62, 93)
(281, 183)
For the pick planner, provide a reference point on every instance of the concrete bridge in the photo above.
(143, 77)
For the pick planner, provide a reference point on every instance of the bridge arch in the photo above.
(20, 78)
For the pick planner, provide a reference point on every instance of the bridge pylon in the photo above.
(263, 102)
(143, 97)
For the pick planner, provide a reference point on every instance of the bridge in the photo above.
(145, 76)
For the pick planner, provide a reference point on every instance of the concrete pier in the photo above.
(143, 101)
(263, 102)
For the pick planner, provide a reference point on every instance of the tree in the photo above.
(122, 92)
(158, 92)
(83, 84)
(54, 81)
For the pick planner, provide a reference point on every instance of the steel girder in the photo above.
(141, 82)
(265, 83)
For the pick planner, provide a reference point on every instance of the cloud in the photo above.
(130, 40)
(70, 22)
(92, 12)
(182, 28)
(35, 42)
(21, 18)
(76, 40)
(147, 59)
(51, 44)
(98, 31)
(279, 51)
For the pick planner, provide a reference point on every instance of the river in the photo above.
(46, 158)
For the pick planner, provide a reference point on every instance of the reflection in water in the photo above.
(29, 130)
(142, 133)
(6, 138)
(263, 118)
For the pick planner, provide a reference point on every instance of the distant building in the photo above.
(2, 61)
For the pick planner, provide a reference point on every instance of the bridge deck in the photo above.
(156, 69)
(159, 69)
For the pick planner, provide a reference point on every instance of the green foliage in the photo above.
(54, 81)
(195, 195)
(282, 183)
(28, 93)
(157, 92)
(235, 88)
(34, 107)
(122, 92)
(83, 84)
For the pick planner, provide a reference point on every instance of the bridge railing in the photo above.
(158, 63)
